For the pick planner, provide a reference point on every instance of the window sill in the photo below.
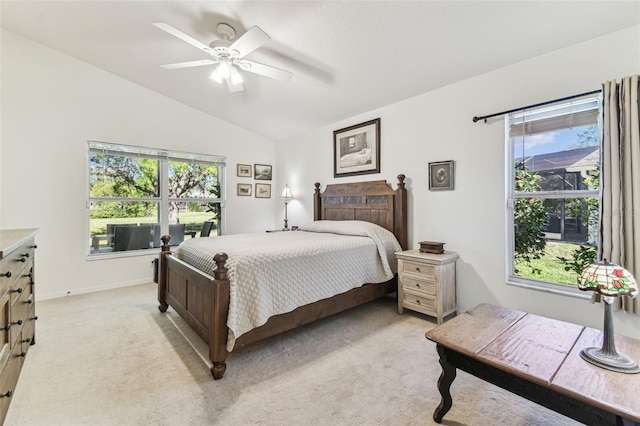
(122, 254)
(550, 288)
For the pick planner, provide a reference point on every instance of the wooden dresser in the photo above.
(427, 283)
(17, 308)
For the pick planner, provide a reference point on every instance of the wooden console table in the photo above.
(537, 358)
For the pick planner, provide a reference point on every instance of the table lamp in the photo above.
(286, 194)
(610, 280)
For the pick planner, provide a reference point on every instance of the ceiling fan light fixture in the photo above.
(216, 76)
(224, 69)
(236, 77)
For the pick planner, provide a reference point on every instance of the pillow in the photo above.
(380, 235)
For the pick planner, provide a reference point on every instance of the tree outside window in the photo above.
(136, 195)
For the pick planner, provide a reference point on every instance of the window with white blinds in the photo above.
(552, 166)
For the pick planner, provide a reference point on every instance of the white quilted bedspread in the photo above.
(274, 273)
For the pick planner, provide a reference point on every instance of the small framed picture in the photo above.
(441, 176)
(244, 189)
(262, 172)
(263, 190)
(244, 170)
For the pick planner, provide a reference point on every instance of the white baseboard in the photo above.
(86, 290)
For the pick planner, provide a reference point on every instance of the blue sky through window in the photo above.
(544, 143)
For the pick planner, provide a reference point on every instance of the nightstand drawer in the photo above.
(418, 286)
(424, 270)
(420, 304)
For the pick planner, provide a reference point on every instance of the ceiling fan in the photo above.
(228, 55)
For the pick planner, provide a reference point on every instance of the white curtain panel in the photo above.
(620, 180)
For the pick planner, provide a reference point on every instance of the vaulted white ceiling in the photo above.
(348, 57)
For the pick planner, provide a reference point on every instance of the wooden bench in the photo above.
(537, 358)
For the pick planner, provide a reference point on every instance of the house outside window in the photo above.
(136, 195)
(553, 164)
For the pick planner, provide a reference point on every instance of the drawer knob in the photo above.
(22, 354)
(418, 285)
(22, 259)
(7, 394)
(418, 302)
(8, 274)
(18, 290)
(19, 322)
(35, 318)
(27, 340)
(6, 327)
(35, 246)
(30, 301)
(417, 269)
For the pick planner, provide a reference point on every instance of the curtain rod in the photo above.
(476, 119)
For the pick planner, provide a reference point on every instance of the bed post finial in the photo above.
(401, 178)
(221, 270)
(165, 242)
(317, 203)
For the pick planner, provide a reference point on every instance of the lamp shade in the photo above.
(286, 193)
(608, 279)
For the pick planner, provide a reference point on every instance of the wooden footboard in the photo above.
(202, 300)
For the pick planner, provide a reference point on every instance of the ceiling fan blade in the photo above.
(189, 64)
(265, 70)
(250, 41)
(234, 87)
(182, 36)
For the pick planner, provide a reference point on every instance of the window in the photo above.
(553, 164)
(136, 195)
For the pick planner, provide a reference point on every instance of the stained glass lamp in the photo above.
(610, 280)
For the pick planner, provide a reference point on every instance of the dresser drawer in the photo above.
(8, 381)
(12, 266)
(19, 310)
(419, 285)
(5, 319)
(423, 270)
(22, 285)
(28, 331)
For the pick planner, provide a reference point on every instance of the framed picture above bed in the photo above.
(356, 149)
(263, 190)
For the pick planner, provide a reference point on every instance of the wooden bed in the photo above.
(202, 299)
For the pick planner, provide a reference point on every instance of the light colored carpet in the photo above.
(111, 358)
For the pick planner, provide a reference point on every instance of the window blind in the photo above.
(577, 113)
(158, 154)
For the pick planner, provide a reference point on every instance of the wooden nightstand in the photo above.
(427, 283)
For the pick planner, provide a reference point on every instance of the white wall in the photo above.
(438, 126)
(51, 105)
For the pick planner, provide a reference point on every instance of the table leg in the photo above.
(444, 385)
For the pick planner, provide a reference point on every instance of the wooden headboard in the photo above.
(372, 201)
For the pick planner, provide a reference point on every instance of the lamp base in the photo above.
(611, 361)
